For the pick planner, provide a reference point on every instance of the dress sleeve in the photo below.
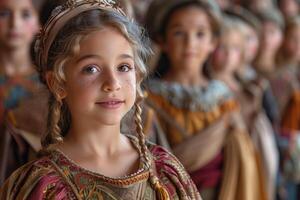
(173, 175)
(35, 181)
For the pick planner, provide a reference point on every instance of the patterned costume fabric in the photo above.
(15, 89)
(17, 111)
(194, 121)
(55, 176)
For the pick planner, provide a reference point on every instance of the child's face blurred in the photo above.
(292, 43)
(271, 37)
(223, 3)
(18, 23)
(101, 80)
(228, 55)
(189, 38)
(289, 8)
(251, 44)
(257, 5)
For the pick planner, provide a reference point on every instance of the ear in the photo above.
(57, 89)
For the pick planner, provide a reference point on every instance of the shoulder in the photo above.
(34, 180)
(172, 173)
(164, 159)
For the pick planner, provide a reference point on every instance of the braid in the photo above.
(140, 132)
(161, 192)
(53, 134)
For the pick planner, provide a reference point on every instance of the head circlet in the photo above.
(59, 16)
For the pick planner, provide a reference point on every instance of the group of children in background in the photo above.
(216, 85)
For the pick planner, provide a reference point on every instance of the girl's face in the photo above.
(18, 23)
(228, 55)
(100, 82)
(188, 39)
(251, 44)
(271, 37)
(257, 5)
(289, 8)
(292, 43)
(223, 3)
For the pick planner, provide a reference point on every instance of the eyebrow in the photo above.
(87, 57)
(94, 56)
(126, 56)
(181, 25)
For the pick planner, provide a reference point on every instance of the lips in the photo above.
(111, 103)
(190, 54)
(14, 35)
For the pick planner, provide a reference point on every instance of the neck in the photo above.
(186, 76)
(15, 61)
(225, 71)
(102, 141)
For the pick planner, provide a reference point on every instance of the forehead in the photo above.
(189, 17)
(107, 42)
(16, 4)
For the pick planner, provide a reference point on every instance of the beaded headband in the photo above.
(59, 17)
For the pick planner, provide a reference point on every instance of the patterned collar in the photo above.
(192, 98)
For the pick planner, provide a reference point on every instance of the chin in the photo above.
(110, 120)
(14, 45)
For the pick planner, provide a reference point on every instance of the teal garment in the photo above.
(13, 93)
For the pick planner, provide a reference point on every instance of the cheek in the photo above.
(130, 84)
(237, 57)
(252, 46)
(130, 93)
(3, 26)
(81, 89)
(173, 44)
(31, 26)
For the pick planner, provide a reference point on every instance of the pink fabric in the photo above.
(46, 181)
(210, 175)
(167, 165)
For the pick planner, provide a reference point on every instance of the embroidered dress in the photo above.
(193, 119)
(55, 176)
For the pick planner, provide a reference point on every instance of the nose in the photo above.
(111, 82)
(189, 40)
(15, 21)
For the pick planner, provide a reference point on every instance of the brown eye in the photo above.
(4, 13)
(91, 69)
(124, 68)
(26, 14)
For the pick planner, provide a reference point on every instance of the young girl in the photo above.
(197, 114)
(92, 58)
(271, 38)
(289, 8)
(19, 86)
(229, 57)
